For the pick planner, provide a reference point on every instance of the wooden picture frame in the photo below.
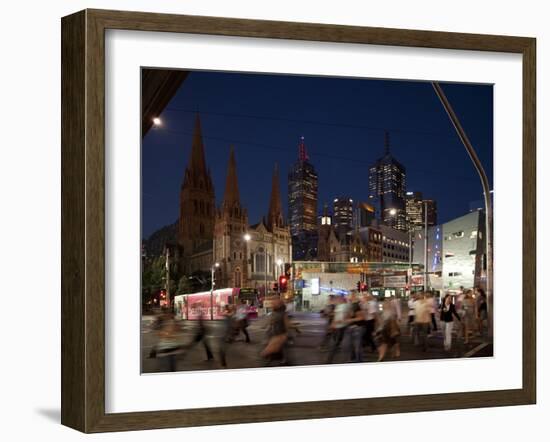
(83, 220)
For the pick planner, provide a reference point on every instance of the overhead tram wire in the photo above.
(314, 122)
(265, 146)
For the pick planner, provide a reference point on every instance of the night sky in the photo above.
(343, 122)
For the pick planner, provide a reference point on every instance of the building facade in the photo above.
(230, 227)
(456, 252)
(302, 206)
(197, 201)
(365, 214)
(395, 244)
(415, 211)
(464, 256)
(222, 239)
(419, 210)
(387, 183)
(342, 219)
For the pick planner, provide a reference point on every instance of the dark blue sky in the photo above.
(343, 122)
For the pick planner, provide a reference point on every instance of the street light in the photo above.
(279, 264)
(393, 212)
(157, 122)
(212, 270)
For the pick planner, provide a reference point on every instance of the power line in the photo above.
(313, 122)
(264, 146)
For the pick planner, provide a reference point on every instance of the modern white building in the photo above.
(464, 251)
(456, 252)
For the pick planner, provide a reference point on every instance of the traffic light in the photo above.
(359, 285)
(283, 283)
(275, 287)
(363, 287)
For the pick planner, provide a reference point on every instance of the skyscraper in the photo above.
(365, 214)
(416, 208)
(302, 206)
(387, 183)
(415, 211)
(431, 207)
(343, 215)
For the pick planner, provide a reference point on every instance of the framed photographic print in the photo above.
(267, 221)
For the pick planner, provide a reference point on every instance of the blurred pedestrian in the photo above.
(357, 327)
(277, 334)
(200, 336)
(371, 315)
(447, 312)
(410, 320)
(241, 321)
(468, 315)
(167, 347)
(422, 319)
(339, 326)
(433, 308)
(481, 309)
(389, 331)
(328, 314)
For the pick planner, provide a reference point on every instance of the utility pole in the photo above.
(487, 197)
(426, 284)
(167, 286)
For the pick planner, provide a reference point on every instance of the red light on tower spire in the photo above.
(302, 152)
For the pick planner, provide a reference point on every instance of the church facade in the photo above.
(251, 256)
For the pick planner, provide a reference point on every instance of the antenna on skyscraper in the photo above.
(302, 153)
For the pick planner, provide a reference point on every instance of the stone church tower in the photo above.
(197, 202)
(230, 227)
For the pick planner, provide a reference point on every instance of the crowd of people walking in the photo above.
(377, 325)
(355, 325)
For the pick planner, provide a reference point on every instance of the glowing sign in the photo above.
(315, 286)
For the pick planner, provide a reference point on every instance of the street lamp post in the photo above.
(213, 283)
(426, 285)
(486, 194)
(278, 273)
(167, 285)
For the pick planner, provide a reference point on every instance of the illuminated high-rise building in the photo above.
(387, 183)
(343, 215)
(431, 207)
(416, 208)
(302, 206)
(415, 211)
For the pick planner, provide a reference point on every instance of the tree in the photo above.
(152, 277)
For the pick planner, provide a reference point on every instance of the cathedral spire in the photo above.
(197, 163)
(275, 215)
(231, 197)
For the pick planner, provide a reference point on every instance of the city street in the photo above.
(304, 350)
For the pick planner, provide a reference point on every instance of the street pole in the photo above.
(167, 277)
(410, 261)
(265, 273)
(487, 197)
(426, 245)
(212, 293)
